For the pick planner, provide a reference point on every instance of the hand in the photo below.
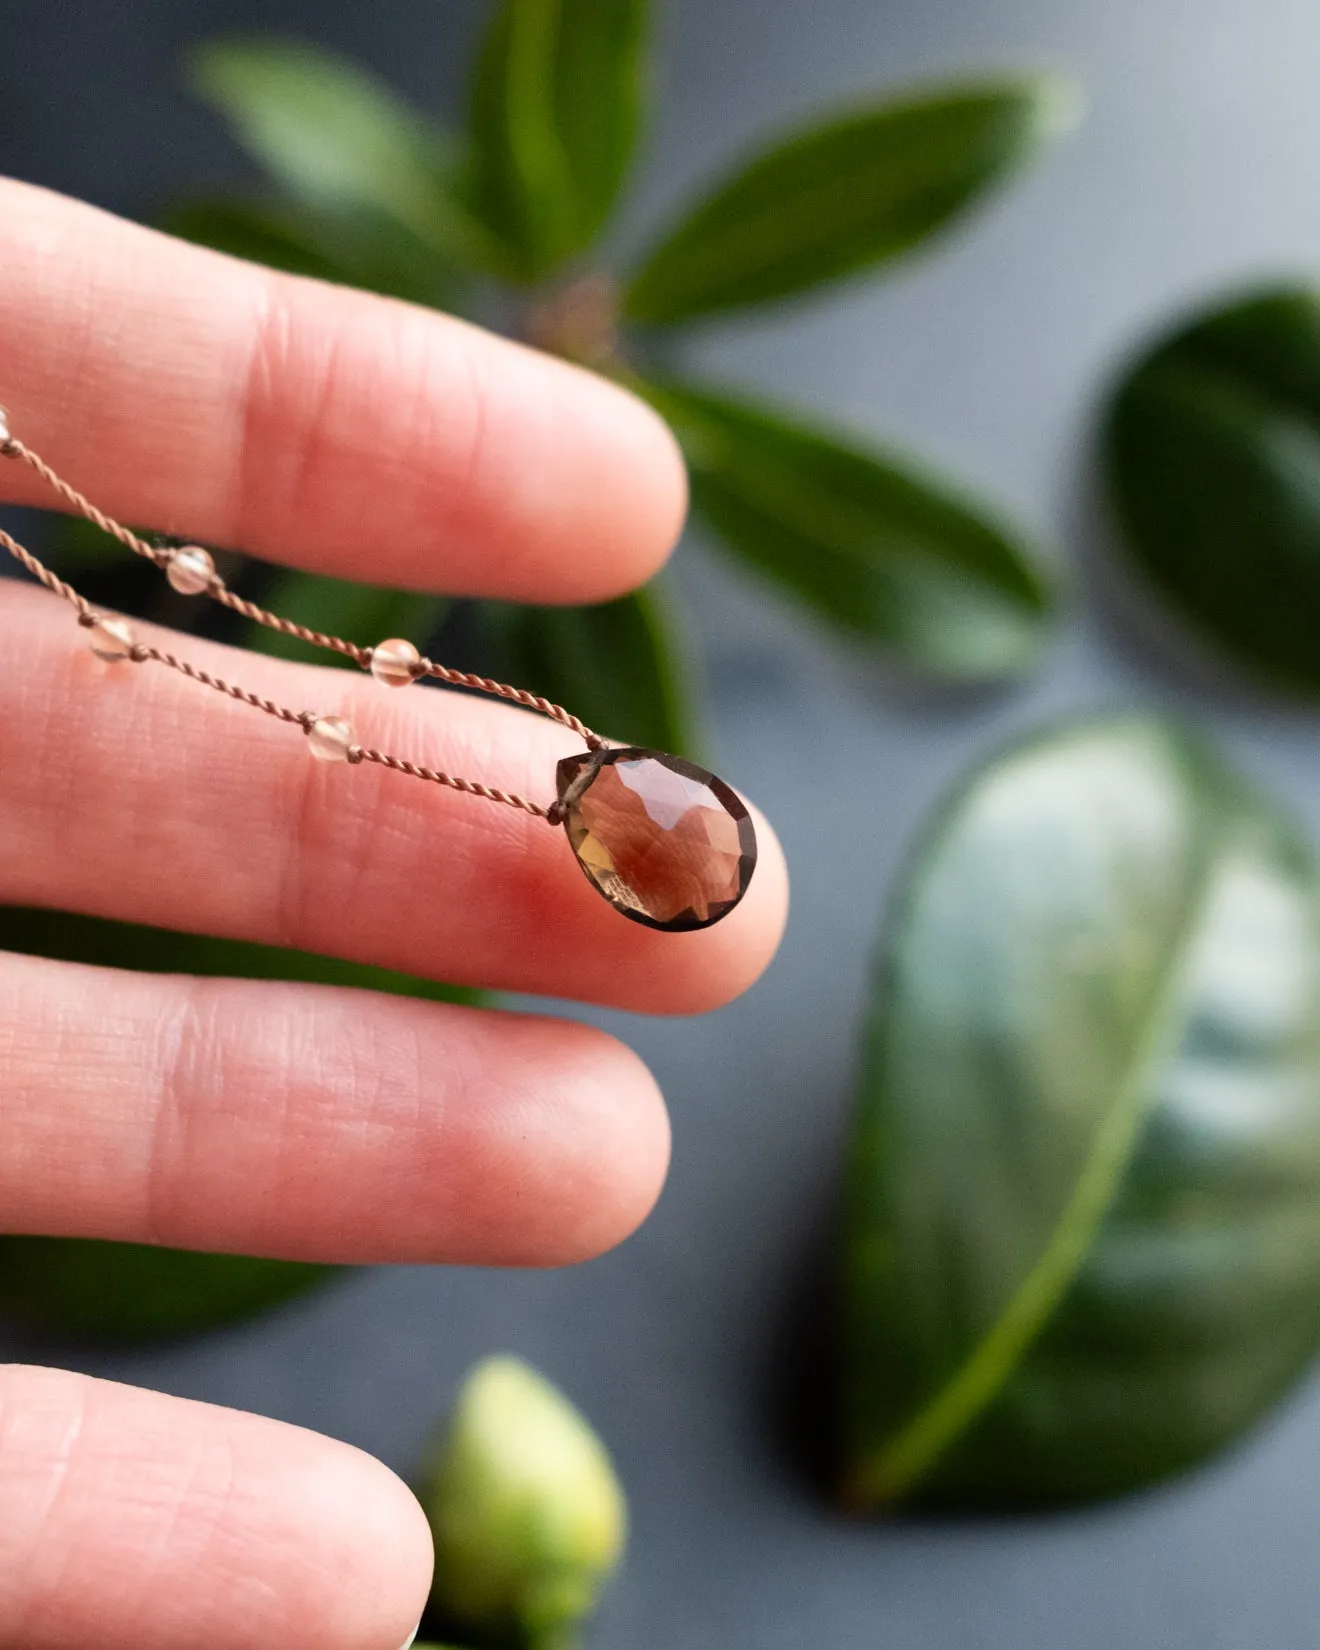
(359, 437)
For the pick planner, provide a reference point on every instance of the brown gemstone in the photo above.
(664, 841)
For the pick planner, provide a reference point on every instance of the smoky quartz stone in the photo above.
(665, 842)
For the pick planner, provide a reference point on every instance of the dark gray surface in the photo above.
(1199, 163)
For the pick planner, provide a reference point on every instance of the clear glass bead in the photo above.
(330, 738)
(112, 640)
(190, 570)
(393, 662)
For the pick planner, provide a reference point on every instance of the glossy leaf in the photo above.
(854, 191)
(351, 248)
(336, 138)
(1083, 1224)
(620, 665)
(556, 106)
(71, 937)
(362, 613)
(1212, 453)
(894, 557)
(119, 1291)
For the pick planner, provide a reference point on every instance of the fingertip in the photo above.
(634, 494)
(376, 1555)
(620, 1114)
(568, 1155)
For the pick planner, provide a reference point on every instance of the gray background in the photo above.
(1199, 164)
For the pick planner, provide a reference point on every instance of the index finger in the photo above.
(332, 430)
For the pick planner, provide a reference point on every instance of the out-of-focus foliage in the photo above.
(864, 540)
(618, 666)
(528, 1515)
(1212, 455)
(1083, 1222)
(555, 113)
(120, 1292)
(339, 608)
(847, 194)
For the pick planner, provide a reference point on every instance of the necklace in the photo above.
(664, 841)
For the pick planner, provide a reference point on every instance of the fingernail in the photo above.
(412, 1637)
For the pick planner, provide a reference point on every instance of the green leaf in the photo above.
(1212, 457)
(121, 1292)
(1083, 1221)
(362, 613)
(76, 542)
(118, 1291)
(279, 236)
(70, 937)
(337, 138)
(894, 557)
(528, 1514)
(350, 248)
(620, 666)
(556, 107)
(857, 190)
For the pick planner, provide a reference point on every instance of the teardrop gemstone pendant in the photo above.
(665, 842)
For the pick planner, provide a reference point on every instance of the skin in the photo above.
(362, 438)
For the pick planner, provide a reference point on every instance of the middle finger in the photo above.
(131, 792)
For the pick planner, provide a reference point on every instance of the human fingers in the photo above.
(131, 792)
(312, 1123)
(134, 1521)
(334, 430)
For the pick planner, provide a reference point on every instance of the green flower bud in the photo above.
(528, 1516)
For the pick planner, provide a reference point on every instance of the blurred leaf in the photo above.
(120, 1291)
(336, 137)
(892, 556)
(1212, 455)
(131, 1292)
(363, 613)
(80, 543)
(528, 1514)
(619, 666)
(69, 937)
(555, 110)
(857, 190)
(279, 236)
(1083, 1225)
(352, 248)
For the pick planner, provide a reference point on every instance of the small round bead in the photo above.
(190, 570)
(330, 738)
(112, 640)
(393, 662)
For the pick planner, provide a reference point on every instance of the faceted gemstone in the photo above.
(664, 841)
